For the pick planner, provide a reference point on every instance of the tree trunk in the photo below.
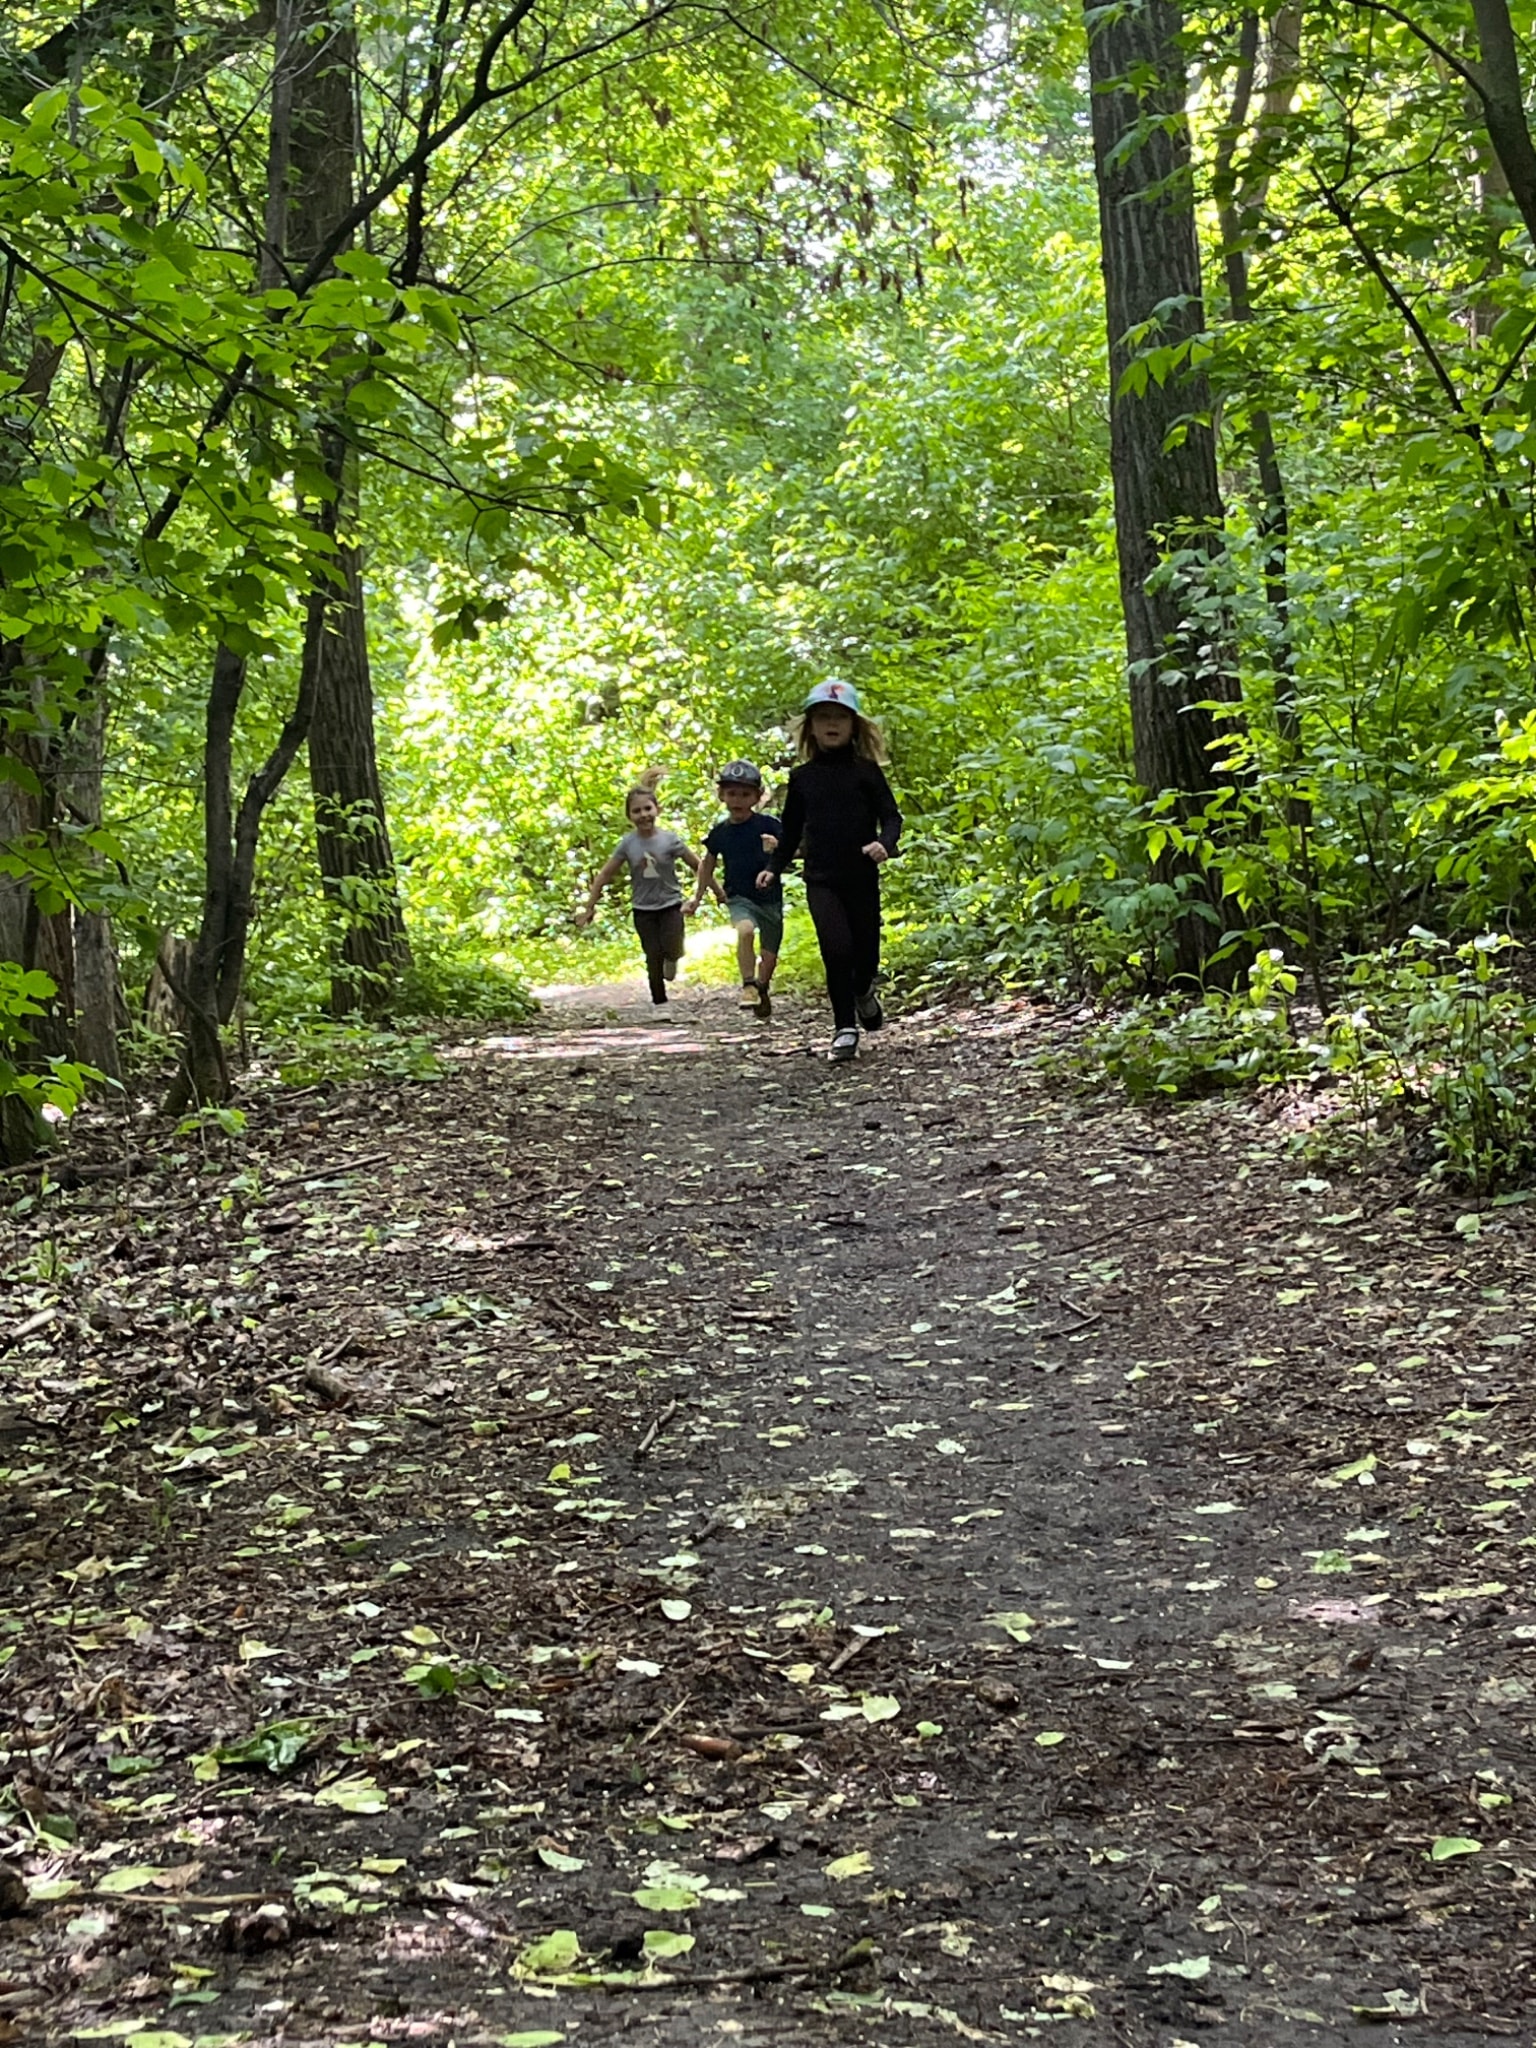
(356, 860)
(100, 1012)
(1238, 205)
(351, 827)
(1499, 86)
(1168, 511)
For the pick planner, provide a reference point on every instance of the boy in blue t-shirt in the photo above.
(743, 839)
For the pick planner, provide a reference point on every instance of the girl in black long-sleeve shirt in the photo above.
(840, 806)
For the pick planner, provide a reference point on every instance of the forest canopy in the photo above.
(416, 424)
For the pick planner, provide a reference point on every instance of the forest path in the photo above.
(922, 1556)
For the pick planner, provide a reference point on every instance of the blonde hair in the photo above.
(644, 785)
(868, 739)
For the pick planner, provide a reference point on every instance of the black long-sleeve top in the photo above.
(836, 803)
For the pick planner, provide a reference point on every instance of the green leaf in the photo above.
(1015, 1624)
(879, 1707)
(859, 1864)
(1193, 1969)
(661, 1943)
(1444, 1847)
(353, 1795)
(556, 1859)
(550, 1957)
(665, 1898)
(133, 1878)
(277, 1747)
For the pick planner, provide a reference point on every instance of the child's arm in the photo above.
(705, 879)
(888, 830)
(778, 858)
(600, 881)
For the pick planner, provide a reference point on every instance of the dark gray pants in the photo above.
(661, 938)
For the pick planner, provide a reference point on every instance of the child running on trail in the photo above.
(651, 853)
(840, 804)
(742, 839)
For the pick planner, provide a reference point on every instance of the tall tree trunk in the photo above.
(1239, 202)
(1168, 511)
(351, 827)
(99, 1008)
(356, 859)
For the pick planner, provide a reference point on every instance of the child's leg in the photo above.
(648, 926)
(863, 903)
(770, 936)
(673, 938)
(746, 950)
(834, 935)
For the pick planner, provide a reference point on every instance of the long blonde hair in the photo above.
(646, 784)
(868, 739)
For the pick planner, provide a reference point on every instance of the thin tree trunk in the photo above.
(352, 835)
(1237, 209)
(1498, 84)
(211, 987)
(99, 1009)
(1168, 510)
(352, 840)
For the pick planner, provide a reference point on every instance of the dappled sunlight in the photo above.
(605, 1042)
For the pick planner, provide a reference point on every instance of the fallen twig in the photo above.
(655, 1429)
(847, 1653)
(665, 1722)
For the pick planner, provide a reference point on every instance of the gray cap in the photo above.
(742, 772)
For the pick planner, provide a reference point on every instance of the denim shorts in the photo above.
(767, 918)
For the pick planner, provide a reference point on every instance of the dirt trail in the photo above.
(910, 1555)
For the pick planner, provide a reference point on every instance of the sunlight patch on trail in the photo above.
(606, 1041)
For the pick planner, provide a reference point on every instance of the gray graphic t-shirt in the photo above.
(652, 868)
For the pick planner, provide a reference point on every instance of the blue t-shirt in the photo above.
(741, 852)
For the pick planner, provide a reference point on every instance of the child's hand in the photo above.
(720, 896)
(691, 906)
(766, 878)
(585, 914)
(770, 841)
(877, 851)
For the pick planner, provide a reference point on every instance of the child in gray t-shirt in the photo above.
(651, 853)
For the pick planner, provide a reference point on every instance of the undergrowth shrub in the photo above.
(1432, 1042)
(443, 984)
(1442, 1037)
(1171, 1046)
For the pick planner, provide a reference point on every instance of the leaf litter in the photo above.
(360, 1665)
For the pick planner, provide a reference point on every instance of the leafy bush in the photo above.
(439, 984)
(1441, 1036)
(1171, 1046)
(1434, 1042)
(322, 1050)
(36, 1092)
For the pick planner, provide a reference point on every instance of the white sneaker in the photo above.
(845, 1045)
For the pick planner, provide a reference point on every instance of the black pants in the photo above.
(846, 913)
(661, 938)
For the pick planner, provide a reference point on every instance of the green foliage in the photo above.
(1171, 1046)
(44, 1094)
(1443, 1037)
(1433, 1043)
(322, 1050)
(463, 984)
